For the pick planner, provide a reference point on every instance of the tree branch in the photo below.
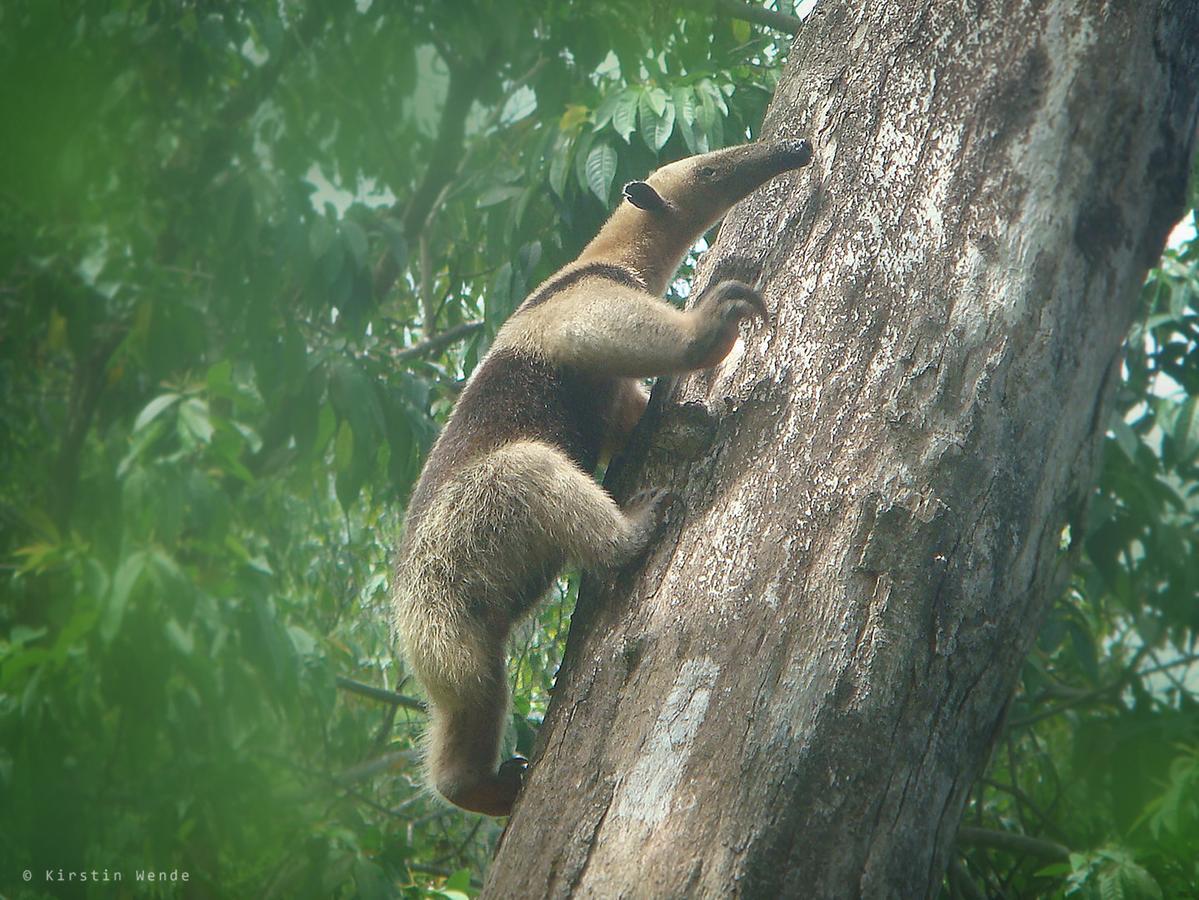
(447, 150)
(962, 881)
(747, 12)
(437, 342)
(1010, 842)
(444, 157)
(1130, 675)
(378, 693)
(1186, 660)
(424, 286)
(213, 151)
(87, 385)
(447, 158)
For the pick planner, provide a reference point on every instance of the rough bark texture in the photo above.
(794, 694)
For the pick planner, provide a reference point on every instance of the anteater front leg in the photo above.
(617, 330)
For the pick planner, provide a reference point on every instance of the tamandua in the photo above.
(507, 496)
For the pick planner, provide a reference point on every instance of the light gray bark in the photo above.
(795, 693)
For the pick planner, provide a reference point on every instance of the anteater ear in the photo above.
(642, 196)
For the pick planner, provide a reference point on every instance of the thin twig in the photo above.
(1010, 842)
(378, 693)
(373, 767)
(1022, 799)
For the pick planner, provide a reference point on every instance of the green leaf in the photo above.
(181, 639)
(343, 447)
(684, 105)
(141, 442)
(370, 881)
(219, 379)
(128, 573)
(153, 409)
(606, 109)
(1083, 643)
(354, 398)
(1185, 432)
(23, 634)
(305, 644)
(582, 149)
(709, 120)
(459, 881)
(274, 640)
(355, 240)
(320, 238)
(1140, 884)
(39, 522)
(656, 129)
(249, 435)
(193, 416)
(1125, 437)
(499, 302)
(1054, 870)
(560, 164)
(657, 100)
(497, 194)
(1110, 886)
(624, 116)
(707, 88)
(397, 245)
(601, 169)
(529, 256)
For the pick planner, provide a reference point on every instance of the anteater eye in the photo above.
(707, 172)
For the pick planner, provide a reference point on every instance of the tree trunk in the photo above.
(795, 693)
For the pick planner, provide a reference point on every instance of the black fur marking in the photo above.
(612, 272)
(643, 196)
(514, 396)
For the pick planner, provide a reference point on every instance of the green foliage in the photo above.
(1109, 874)
(1102, 741)
(248, 253)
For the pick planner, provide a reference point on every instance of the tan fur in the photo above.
(507, 498)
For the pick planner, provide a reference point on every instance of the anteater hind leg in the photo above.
(564, 506)
(550, 510)
(464, 740)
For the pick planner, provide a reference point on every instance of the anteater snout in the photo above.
(797, 152)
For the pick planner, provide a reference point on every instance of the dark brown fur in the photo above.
(514, 396)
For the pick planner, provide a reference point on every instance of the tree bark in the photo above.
(794, 694)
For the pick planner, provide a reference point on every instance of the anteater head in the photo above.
(695, 192)
(664, 215)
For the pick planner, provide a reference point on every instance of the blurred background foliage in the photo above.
(248, 254)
